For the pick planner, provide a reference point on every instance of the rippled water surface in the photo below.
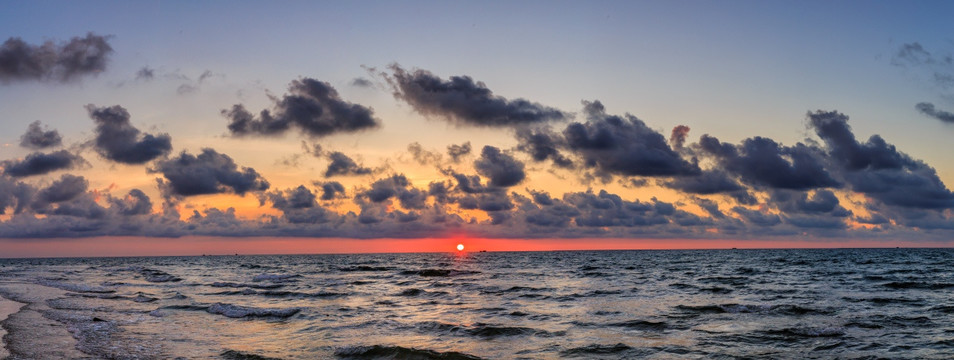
(894, 303)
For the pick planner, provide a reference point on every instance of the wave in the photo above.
(399, 352)
(809, 332)
(80, 288)
(438, 272)
(597, 349)
(238, 355)
(918, 285)
(239, 285)
(276, 278)
(153, 275)
(365, 268)
(481, 330)
(235, 311)
(643, 325)
(760, 308)
(281, 293)
(232, 311)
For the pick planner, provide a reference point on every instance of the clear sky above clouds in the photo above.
(567, 109)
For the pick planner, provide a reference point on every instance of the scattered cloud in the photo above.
(502, 169)
(312, 106)
(462, 100)
(209, 172)
(929, 110)
(38, 137)
(41, 163)
(54, 62)
(361, 82)
(119, 141)
(342, 165)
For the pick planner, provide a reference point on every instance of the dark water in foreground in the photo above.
(856, 303)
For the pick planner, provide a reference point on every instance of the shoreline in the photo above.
(7, 307)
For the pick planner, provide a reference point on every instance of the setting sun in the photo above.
(460, 247)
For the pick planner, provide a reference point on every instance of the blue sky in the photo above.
(730, 69)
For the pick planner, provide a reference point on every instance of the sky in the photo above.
(164, 128)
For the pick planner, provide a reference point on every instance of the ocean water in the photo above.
(850, 303)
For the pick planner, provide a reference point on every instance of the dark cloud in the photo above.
(119, 141)
(678, 137)
(456, 152)
(396, 186)
(207, 173)
(763, 162)
(710, 207)
(313, 106)
(38, 137)
(63, 62)
(502, 169)
(758, 217)
(145, 73)
(929, 110)
(623, 146)
(299, 206)
(610, 210)
(712, 182)
(464, 101)
(343, 165)
(543, 144)
(332, 190)
(877, 169)
(15, 194)
(41, 163)
(361, 82)
(66, 188)
(134, 203)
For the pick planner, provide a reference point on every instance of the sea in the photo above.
(685, 304)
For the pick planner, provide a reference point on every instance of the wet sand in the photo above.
(27, 333)
(7, 308)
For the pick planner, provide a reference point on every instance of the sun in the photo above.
(460, 247)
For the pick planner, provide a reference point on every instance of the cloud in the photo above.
(119, 141)
(424, 157)
(38, 137)
(456, 152)
(67, 188)
(40, 163)
(502, 169)
(63, 62)
(543, 144)
(462, 100)
(712, 182)
(764, 163)
(396, 186)
(678, 137)
(145, 73)
(312, 106)
(135, 202)
(929, 110)
(209, 172)
(331, 190)
(361, 82)
(615, 145)
(342, 165)
(877, 169)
